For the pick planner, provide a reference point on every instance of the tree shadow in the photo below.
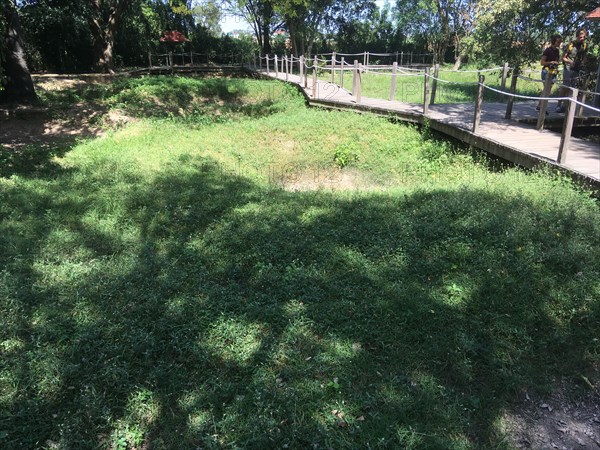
(213, 312)
(33, 160)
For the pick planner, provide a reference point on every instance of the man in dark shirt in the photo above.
(550, 59)
(572, 59)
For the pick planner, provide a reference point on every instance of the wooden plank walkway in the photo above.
(509, 139)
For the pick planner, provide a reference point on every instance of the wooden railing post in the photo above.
(333, 68)
(149, 60)
(567, 127)
(368, 57)
(365, 59)
(426, 92)
(401, 58)
(268, 69)
(306, 74)
(513, 90)
(354, 72)
(436, 73)
(581, 107)
(478, 104)
(393, 86)
(171, 60)
(504, 76)
(276, 67)
(359, 84)
(544, 103)
(314, 77)
(342, 72)
(282, 64)
(191, 58)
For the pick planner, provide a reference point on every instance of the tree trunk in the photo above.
(17, 85)
(457, 62)
(104, 36)
(266, 32)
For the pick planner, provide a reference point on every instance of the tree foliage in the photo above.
(81, 35)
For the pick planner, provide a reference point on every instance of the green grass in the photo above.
(454, 87)
(159, 288)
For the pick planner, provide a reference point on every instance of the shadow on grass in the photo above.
(214, 313)
(171, 96)
(33, 160)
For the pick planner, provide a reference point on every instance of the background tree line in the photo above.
(100, 35)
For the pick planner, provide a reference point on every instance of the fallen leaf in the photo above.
(361, 418)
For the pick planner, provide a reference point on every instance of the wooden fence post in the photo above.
(365, 59)
(268, 69)
(149, 59)
(342, 73)
(436, 73)
(567, 127)
(504, 76)
(581, 108)
(171, 60)
(513, 90)
(426, 92)
(478, 104)
(401, 58)
(191, 58)
(333, 67)
(544, 103)
(393, 86)
(368, 57)
(276, 67)
(314, 77)
(305, 74)
(354, 77)
(287, 71)
(359, 84)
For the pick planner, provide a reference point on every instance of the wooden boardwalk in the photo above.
(510, 139)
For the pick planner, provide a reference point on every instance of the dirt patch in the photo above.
(332, 179)
(26, 125)
(564, 420)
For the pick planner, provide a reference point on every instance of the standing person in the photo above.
(572, 60)
(550, 61)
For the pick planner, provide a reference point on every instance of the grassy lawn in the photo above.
(453, 87)
(165, 286)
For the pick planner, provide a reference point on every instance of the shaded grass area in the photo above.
(200, 100)
(154, 292)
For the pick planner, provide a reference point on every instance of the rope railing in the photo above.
(430, 81)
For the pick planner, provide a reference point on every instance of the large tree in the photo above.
(16, 82)
(261, 15)
(104, 18)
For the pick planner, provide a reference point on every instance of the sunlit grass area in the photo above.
(452, 86)
(234, 270)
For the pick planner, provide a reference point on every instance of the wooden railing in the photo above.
(286, 64)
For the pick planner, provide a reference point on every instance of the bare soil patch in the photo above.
(25, 125)
(564, 420)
